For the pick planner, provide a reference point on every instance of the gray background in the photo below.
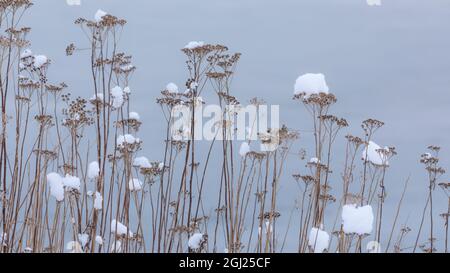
(390, 62)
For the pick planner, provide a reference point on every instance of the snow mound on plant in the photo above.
(373, 155)
(195, 241)
(357, 220)
(310, 84)
(318, 240)
(93, 170)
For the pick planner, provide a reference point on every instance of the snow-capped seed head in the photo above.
(244, 150)
(120, 229)
(310, 84)
(142, 162)
(39, 61)
(357, 220)
(372, 153)
(74, 247)
(135, 185)
(98, 201)
(134, 116)
(196, 241)
(26, 54)
(172, 88)
(93, 170)
(318, 240)
(373, 247)
(99, 240)
(55, 182)
(194, 44)
(99, 15)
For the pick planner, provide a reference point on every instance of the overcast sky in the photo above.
(390, 62)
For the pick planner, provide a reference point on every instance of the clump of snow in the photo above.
(55, 182)
(310, 84)
(374, 2)
(26, 54)
(194, 44)
(373, 247)
(141, 162)
(314, 160)
(172, 88)
(134, 116)
(195, 241)
(74, 247)
(99, 15)
(244, 150)
(93, 170)
(373, 155)
(127, 90)
(83, 239)
(99, 240)
(161, 166)
(120, 229)
(71, 182)
(39, 61)
(318, 240)
(357, 220)
(98, 96)
(127, 139)
(116, 247)
(135, 184)
(98, 201)
(117, 97)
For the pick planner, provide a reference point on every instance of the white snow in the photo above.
(194, 44)
(93, 170)
(135, 184)
(357, 220)
(127, 139)
(314, 160)
(99, 240)
(26, 54)
(195, 241)
(98, 97)
(172, 88)
(318, 240)
(141, 162)
(39, 61)
(117, 97)
(127, 90)
(55, 182)
(161, 166)
(116, 247)
(121, 228)
(71, 182)
(373, 247)
(98, 201)
(74, 247)
(83, 239)
(244, 150)
(99, 15)
(134, 116)
(374, 2)
(310, 84)
(373, 155)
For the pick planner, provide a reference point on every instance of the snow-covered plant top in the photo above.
(310, 84)
(194, 44)
(357, 220)
(318, 240)
(372, 153)
(244, 150)
(195, 241)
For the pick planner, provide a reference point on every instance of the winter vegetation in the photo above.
(74, 176)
